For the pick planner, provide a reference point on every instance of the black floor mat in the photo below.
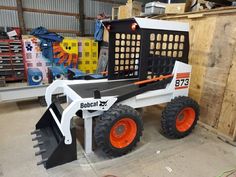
(87, 90)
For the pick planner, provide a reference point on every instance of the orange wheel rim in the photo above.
(123, 133)
(185, 119)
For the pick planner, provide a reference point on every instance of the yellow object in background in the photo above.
(88, 66)
(86, 45)
(70, 45)
(94, 50)
(87, 55)
(94, 45)
(88, 52)
(67, 52)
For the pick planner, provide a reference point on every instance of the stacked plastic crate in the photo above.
(88, 55)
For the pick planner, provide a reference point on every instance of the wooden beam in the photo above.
(47, 12)
(20, 16)
(51, 12)
(77, 15)
(81, 18)
(7, 8)
(40, 11)
(221, 136)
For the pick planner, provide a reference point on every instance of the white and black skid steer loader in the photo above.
(147, 65)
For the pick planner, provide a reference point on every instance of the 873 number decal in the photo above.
(182, 83)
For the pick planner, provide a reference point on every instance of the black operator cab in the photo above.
(145, 48)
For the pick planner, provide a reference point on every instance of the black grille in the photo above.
(144, 53)
(165, 47)
(127, 55)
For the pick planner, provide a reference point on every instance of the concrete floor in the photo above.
(199, 155)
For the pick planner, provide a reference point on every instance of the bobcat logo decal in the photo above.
(103, 104)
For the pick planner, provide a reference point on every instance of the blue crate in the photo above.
(97, 76)
(55, 73)
(35, 76)
(74, 73)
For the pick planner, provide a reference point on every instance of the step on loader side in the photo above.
(50, 140)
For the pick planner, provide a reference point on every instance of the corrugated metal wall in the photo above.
(8, 18)
(92, 8)
(62, 22)
(56, 5)
(8, 2)
(49, 21)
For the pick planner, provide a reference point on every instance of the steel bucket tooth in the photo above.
(50, 140)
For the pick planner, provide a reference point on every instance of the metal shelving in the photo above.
(22, 92)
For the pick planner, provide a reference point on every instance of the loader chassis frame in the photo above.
(153, 50)
(141, 100)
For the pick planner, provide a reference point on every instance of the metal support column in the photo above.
(21, 16)
(88, 128)
(81, 17)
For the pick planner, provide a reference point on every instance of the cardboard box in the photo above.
(175, 8)
(115, 11)
(129, 10)
(105, 36)
(134, 8)
(122, 12)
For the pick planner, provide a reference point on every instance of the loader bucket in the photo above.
(50, 140)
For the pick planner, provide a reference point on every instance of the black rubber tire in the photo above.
(105, 122)
(169, 115)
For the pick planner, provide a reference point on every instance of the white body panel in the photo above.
(179, 86)
(147, 23)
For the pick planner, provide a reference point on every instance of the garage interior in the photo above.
(208, 151)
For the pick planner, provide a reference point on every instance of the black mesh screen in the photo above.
(127, 55)
(165, 47)
(144, 53)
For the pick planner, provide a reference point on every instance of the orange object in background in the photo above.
(67, 52)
